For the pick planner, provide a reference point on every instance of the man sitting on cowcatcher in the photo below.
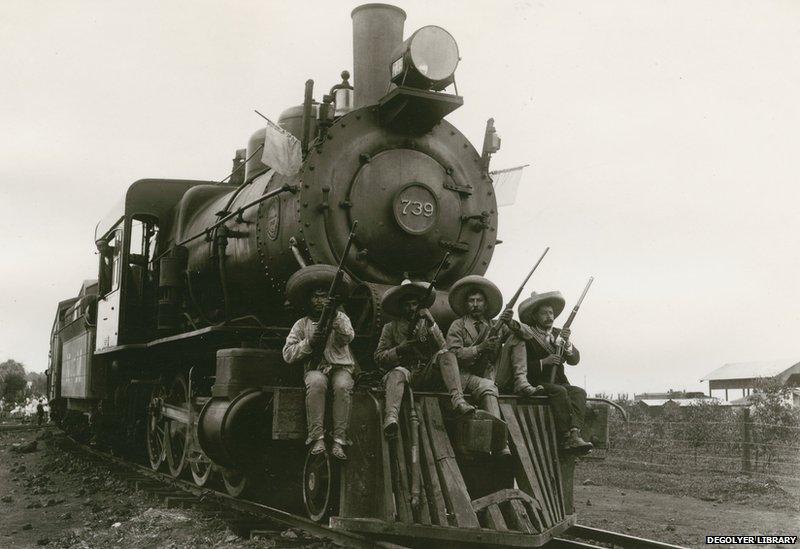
(308, 289)
(411, 350)
(476, 300)
(534, 355)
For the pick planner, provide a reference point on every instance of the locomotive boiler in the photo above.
(177, 343)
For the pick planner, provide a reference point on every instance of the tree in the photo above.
(776, 425)
(12, 380)
(38, 383)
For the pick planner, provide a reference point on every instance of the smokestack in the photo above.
(377, 31)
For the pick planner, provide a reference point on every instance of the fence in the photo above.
(715, 440)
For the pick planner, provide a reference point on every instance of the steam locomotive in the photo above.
(176, 346)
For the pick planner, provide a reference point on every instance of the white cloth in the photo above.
(282, 151)
(337, 350)
(506, 185)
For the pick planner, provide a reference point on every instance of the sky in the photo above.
(662, 139)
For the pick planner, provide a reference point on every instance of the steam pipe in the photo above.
(308, 98)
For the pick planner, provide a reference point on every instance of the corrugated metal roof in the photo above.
(749, 370)
(682, 401)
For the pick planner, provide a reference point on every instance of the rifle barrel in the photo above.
(585, 291)
(435, 277)
(577, 306)
(513, 301)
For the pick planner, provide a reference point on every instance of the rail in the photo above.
(592, 538)
(339, 537)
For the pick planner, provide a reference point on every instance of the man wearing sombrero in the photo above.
(538, 360)
(307, 289)
(476, 300)
(411, 349)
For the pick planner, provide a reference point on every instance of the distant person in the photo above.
(39, 413)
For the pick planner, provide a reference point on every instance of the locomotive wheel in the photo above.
(156, 429)
(201, 471)
(321, 486)
(177, 433)
(236, 482)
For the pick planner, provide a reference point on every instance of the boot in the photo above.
(390, 427)
(452, 380)
(318, 447)
(337, 451)
(524, 389)
(489, 403)
(574, 443)
(395, 386)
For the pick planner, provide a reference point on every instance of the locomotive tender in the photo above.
(177, 343)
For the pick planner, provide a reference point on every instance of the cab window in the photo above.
(110, 248)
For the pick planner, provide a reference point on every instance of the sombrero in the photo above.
(302, 283)
(467, 285)
(527, 307)
(392, 300)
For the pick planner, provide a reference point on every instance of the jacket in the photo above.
(536, 349)
(396, 332)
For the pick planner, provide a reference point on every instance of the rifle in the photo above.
(426, 297)
(495, 328)
(560, 343)
(325, 323)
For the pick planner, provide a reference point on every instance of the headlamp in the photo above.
(427, 60)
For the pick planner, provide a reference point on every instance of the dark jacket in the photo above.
(537, 349)
(394, 333)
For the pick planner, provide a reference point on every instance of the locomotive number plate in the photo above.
(415, 208)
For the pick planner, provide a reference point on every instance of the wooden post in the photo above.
(747, 440)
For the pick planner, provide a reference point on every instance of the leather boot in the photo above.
(395, 387)
(489, 403)
(523, 388)
(574, 443)
(452, 380)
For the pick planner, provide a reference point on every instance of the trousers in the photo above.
(341, 382)
(568, 404)
(441, 371)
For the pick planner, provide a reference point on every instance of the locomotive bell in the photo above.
(254, 166)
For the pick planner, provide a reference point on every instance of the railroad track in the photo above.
(594, 538)
(21, 427)
(262, 518)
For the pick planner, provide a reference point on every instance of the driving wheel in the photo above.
(320, 486)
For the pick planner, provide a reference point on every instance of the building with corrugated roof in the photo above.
(747, 376)
(671, 394)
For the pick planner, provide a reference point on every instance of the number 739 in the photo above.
(415, 207)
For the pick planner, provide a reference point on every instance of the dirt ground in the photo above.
(49, 498)
(57, 500)
(682, 509)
